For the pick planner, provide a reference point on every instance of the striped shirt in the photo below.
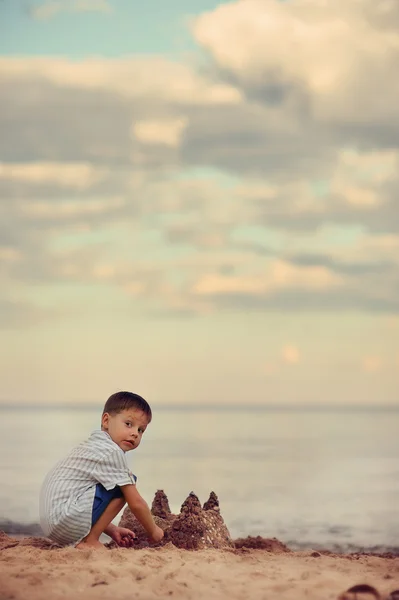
(67, 494)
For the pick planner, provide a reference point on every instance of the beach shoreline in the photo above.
(21, 530)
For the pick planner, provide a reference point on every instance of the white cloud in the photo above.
(369, 248)
(136, 77)
(361, 197)
(372, 166)
(165, 132)
(208, 285)
(78, 176)
(280, 275)
(343, 54)
(362, 179)
(64, 210)
(48, 10)
(286, 275)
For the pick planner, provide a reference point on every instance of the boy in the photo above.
(87, 489)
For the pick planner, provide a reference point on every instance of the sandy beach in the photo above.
(33, 573)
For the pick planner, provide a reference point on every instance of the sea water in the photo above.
(312, 478)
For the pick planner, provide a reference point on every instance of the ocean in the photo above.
(313, 478)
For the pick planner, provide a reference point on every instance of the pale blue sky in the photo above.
(195, 206)
(132, 27)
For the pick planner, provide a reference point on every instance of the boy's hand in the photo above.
(122, 536)
(157, 534)
(141, 511)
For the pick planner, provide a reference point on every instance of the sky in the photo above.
(199, 201)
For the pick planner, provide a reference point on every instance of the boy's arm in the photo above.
(141, 511)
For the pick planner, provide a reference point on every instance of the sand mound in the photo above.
(261, 543)
(195, 528)
(35, 542)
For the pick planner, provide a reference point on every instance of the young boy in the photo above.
(87, 489)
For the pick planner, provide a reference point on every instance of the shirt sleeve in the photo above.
(113, 470)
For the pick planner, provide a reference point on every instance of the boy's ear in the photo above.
(105, 421)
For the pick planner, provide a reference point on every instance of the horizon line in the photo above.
(212, 407)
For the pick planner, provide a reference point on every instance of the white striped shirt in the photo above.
(67, 494)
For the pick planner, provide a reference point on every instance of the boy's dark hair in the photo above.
(125, 400)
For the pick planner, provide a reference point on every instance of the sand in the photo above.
(32, 573)
(196, 560)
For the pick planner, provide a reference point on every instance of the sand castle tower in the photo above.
(160, 506)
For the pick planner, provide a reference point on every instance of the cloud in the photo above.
(59, 124)
(263, 179)
(312, 85)
(63, 211)
(167, 132)
(336, 59)
(152, 79)
(280, 275)
(361, 188)
(218, 269)
(90, 110)
(70, 176)
(48, 10)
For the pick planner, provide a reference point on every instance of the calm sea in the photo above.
(312, 478)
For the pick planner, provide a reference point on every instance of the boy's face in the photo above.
(125, 428)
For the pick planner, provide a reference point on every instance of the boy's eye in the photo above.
(141, 430)
(128, 424)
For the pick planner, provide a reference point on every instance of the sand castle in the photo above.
(195, 528)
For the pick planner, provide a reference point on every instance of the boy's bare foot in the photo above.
(89, 544)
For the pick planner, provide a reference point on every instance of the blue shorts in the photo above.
(101, 500)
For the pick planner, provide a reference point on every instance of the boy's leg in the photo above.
(92, 539)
